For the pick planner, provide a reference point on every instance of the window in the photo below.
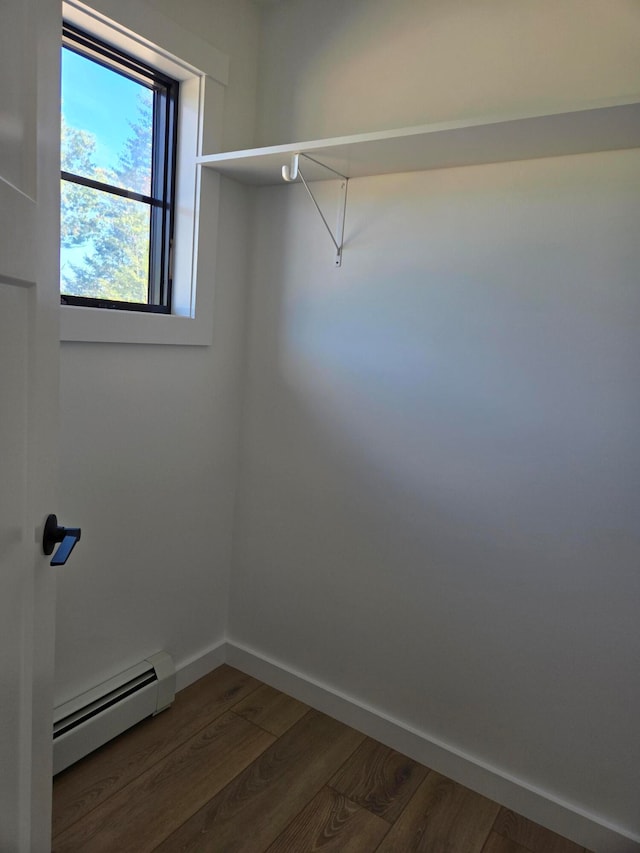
(202, 71)
(119, 129)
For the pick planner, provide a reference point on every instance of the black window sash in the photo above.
(164, 144)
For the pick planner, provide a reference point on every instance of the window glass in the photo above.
(118, 142)
(107, 124)
(114, 263)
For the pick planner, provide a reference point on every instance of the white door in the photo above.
(29, 181)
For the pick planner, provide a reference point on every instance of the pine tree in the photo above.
(114, 230)
(134, 170)
(78, 206)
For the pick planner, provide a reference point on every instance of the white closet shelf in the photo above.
(605, 126)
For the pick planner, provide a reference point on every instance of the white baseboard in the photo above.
(195, 667)
(568, 820)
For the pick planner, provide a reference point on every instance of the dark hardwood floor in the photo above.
(235, 765)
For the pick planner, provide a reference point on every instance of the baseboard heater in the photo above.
(93, 718)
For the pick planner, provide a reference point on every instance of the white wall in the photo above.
(233, 26)
(440, 484)
(149, 443)
(333, 67)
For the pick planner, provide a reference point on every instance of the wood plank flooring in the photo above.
(235, 766)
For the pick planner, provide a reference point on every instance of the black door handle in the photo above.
(66, 536)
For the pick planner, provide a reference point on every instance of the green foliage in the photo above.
(135, 161)
(114, 231)
(79, 212)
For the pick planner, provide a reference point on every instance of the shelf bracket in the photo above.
(291, 172)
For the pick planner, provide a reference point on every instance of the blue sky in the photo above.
(98, 100)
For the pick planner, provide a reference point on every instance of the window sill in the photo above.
(123, 327)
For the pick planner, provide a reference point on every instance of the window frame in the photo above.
(161, 199)
(203, 72)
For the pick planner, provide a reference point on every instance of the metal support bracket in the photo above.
(291, 172)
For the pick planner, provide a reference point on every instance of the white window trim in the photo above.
(191, 320)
